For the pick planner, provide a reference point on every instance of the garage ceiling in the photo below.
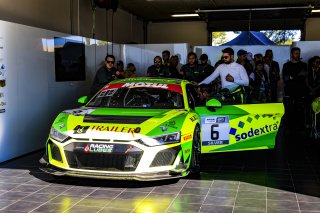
(227, 14)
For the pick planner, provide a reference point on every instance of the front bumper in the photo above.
(127, 160)
(150, 176)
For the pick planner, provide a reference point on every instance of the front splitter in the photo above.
(150, 176)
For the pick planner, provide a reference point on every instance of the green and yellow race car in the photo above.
(153, 128)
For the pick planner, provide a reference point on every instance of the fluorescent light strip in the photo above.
(185, 15)
(316, 11)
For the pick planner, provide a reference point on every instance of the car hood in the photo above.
(118, 123)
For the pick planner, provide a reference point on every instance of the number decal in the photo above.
(214, 133)
(215, 130)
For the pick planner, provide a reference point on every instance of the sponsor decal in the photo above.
(116, 129)
(81, 129)
(107, 148)
(256, 132)
(171, 87)
(187, 137)
(62, 119)
(221, 119)
(187, 151)
(193, 118)
(210, 120)
(171, 124)
(213, 120)
(61, 126)
(146, 84)
(164, 128)
(215, 142)
(78, 112)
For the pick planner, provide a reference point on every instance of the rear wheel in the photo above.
(196, 152)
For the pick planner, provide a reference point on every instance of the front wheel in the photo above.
(196, 152)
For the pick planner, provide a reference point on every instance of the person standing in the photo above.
(207, 68)
(242, 59)
(192, 71)
(120, 70)
(131, 71)
(313, 78)
(232, 74)
(104, 75)
(260, 84)
(166, 58)
(158, 69)
(274, 74)
(294, 74)
(174, 72)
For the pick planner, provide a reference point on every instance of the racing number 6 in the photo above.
(214, 134)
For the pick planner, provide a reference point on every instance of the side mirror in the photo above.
(83, 100)
(213, 103)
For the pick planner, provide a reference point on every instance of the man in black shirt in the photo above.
(242, 59)
(158, 69)
(192, 71)
(104, 75)
(207, 68)
(166, 58)
(294, 74)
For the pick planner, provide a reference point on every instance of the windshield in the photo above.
(161, 97)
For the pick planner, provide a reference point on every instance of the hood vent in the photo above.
(116, 119)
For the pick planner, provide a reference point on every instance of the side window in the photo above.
(192, 95)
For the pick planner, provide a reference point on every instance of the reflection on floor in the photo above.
(256, 181)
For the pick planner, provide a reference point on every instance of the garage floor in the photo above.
(256, 181)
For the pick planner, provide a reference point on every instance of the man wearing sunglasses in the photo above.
(232, 74)
(158, 69)
(104, 75)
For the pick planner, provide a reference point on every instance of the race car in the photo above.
(152, 128)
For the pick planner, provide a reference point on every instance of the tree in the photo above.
(281, 37)
(219, 38)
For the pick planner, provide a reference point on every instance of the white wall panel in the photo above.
(142, 55)
(33, 98)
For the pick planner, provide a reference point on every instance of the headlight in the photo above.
(162, 139)
(55, 134)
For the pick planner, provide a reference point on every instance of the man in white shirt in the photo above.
(232, 74)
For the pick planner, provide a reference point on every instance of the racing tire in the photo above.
(196, 153)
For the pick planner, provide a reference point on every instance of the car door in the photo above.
(239, 127)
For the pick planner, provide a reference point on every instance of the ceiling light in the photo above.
(315, 11)
(185, 15)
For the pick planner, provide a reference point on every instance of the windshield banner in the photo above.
(171, 87)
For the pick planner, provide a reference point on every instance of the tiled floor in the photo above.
(256, 181)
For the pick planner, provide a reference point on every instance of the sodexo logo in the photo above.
(256, 132)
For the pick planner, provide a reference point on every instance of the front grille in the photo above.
(55, 151)
(120, 159)
(165, 157)
(116, 119)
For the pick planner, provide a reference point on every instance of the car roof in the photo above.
(151, 80)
